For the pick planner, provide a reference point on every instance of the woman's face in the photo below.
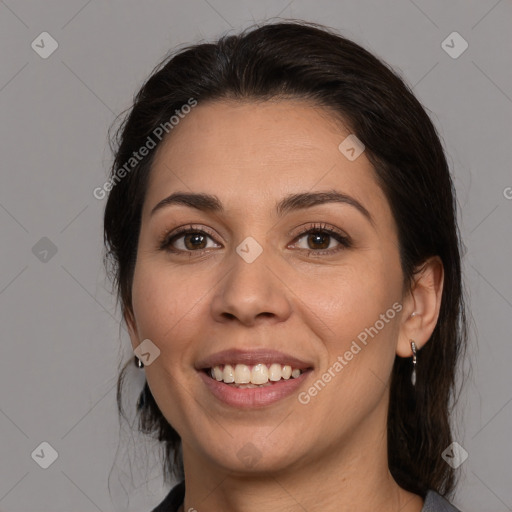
(247, 285)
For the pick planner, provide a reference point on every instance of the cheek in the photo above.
(347, 299)
(356, 311)
(357, 326)
(160, 298)
(164, 302)
(170, 304)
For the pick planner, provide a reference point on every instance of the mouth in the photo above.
(243, 376)
(252, 379)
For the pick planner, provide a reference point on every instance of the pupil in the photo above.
(196, 237)
(320, 236)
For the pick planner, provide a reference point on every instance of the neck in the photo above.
(351, 476)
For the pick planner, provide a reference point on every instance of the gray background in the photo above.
(61, 339)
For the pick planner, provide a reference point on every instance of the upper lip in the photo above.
(251, 357)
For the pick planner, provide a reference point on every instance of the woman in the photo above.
(281, 224)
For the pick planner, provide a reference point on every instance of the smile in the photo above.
(245, 376)
(252, 378)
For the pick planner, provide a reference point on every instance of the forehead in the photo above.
(250, 154)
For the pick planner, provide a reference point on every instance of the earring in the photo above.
(138, 363)
(413, 376)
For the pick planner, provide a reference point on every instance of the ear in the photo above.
(421, 306)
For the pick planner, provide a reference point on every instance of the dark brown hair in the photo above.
(307, 61)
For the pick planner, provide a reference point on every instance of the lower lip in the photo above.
(253, 397)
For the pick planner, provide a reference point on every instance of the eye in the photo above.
(186, 239)
(319, 238)
(189, 239)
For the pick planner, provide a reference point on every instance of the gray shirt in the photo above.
(434, 502)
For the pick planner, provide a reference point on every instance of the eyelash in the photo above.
(165, 243)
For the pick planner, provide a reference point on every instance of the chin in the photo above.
(248, 455)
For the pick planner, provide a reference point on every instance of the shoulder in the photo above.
(173, 500)
(434, 502)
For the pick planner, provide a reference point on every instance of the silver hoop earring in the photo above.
(138, 362)
(413, 376)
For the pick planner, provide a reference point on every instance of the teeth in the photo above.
(274, 372)
(286, 372)
(242, 374)
(228, 375)
(217, 373)
(260, 374)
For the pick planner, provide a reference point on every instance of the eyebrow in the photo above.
(292, 202)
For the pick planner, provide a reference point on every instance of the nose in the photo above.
(252, 292)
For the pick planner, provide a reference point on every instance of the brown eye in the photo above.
(186, 240)
(194, 241)
(318, 240)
